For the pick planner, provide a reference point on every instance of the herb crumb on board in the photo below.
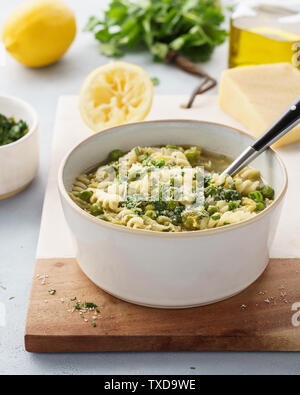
(84, 309)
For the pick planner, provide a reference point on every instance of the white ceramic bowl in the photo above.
(171, 270)
(19, 161)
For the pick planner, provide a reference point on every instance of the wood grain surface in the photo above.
(258, 319)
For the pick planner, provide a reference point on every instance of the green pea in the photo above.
(256, 196)
(151, 213)
(150, 207)
(96, 209)
(103, 217)
(115, 155)
(86, 195)
(172, 204)
(212, 209)
(267, 192)
(160, 163)
(260, 206)
(191, 155)
(233, 205)
(172, 146)
(189, 222)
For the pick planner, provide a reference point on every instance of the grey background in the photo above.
(20, 221)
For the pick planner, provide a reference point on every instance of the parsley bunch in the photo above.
(189, 27)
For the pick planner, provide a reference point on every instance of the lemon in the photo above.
(114, 94)
(39, 32)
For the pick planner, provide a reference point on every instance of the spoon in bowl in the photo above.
(287, 121)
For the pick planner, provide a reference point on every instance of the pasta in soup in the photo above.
(170, 189)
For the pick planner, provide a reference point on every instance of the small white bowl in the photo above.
(171, 270)
(19, 160)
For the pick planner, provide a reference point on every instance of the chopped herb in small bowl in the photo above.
(11, 130)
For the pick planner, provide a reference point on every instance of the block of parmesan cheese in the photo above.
(257, 95)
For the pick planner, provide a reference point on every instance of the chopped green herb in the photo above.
(93, 324)
(210, 191)
(52, 291)
(3, 287)
(89, 305)
(160, 163)
(172, 204)
(229, 194)
(10, 130)
(137, 151)
(11, 298)
(155, 81)
(73, 299)
(190, 27)
(115, 155)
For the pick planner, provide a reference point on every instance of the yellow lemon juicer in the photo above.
(265, 31)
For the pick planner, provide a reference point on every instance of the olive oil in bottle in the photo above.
(265, 33)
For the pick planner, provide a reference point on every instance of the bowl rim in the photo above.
(30, 109)
(146, 232)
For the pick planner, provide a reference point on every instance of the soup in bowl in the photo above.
(154, 221)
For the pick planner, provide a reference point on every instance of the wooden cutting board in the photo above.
(263, 317)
